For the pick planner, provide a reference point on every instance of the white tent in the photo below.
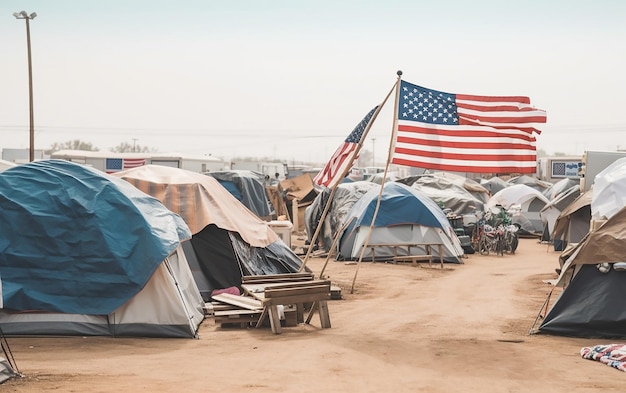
(525, 203)
(609, 190)
(550, 212)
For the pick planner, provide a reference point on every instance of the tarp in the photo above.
(494, 184)
(560, 187)
(609, 190)
(346, 195)
(531, 182)
(79, 241)
(200, 200)
(6, 371)
(248, 187)
(592, 305)
(450, 192)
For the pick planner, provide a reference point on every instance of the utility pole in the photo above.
(373, 151)
(24, 15)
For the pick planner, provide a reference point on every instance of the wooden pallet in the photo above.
(414, 259)
(243, 318)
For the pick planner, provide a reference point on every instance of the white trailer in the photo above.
(555, 168)
(268, 168)
(110, 162)
(595, 162)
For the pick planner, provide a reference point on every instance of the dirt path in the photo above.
(404, 329)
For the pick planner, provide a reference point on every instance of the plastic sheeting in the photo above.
(249, 189)
(218, 259)
(6, 371)
(346, 195)
(609, 190)
(80, 241)
(450, 193)
(592, 305)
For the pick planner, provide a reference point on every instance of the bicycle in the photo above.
(510, 238)
(491, 240)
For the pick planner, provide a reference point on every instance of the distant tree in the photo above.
(253, 159)
(126, 147)
(76, 144)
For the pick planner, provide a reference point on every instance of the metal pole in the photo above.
(373, 151)
(30, 94)
(24, 15)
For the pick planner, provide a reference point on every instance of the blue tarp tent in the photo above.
(78, 241)
(405, 216)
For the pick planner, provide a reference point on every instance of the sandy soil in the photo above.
(404, 329)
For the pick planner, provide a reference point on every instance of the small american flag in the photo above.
(338, 164)
(117, 164)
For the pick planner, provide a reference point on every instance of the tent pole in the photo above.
(389, 154)
(543, 306)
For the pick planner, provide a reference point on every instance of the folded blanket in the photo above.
(231, 290)
(613, 355)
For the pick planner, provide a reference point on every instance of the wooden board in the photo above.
(300, 291)
(277, 278)
(239, 301)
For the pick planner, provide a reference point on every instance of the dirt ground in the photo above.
(404, 329)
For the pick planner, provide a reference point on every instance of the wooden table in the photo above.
(271, 295)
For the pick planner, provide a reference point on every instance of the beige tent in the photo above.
(200, 200)
(572, 223)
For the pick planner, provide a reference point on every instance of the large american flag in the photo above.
(465, 133)
(339, 163)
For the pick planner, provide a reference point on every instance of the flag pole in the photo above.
(382, 186)
(344, 174)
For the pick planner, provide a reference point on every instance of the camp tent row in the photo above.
(91, 254)
(593, 269)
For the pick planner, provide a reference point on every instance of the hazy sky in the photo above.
(291, 79)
